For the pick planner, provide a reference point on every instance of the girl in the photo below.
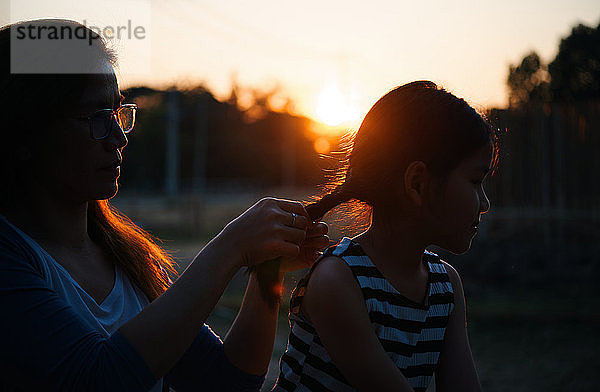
(86, 302)
(379, 312)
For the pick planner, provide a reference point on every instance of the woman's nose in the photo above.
(116, 137)
(484, 204)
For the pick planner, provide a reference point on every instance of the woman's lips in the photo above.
(113, 170)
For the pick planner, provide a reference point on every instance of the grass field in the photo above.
(528, 341)
(521, 341)
(520, 345)
(517, 346)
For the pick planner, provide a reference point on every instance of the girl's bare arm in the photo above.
(334, 304)
(456, 369)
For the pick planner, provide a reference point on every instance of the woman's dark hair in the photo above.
(30, 103)
(415, 121)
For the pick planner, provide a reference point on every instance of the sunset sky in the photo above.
(333, 59)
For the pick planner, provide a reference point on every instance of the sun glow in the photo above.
(322, 145)
(334, 108)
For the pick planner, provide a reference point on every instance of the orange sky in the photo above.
(333, 59)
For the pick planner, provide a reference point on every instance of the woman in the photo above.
(85, 295)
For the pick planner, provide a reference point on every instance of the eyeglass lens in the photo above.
(102, 122)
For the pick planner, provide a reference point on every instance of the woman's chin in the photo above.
(107, 192)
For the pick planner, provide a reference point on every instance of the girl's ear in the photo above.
(416, 177)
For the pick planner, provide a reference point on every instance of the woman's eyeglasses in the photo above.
(102, 121)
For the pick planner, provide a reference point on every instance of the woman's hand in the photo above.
(310, 249)
(273, 228)
(249, 342)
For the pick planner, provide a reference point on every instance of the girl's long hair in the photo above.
(47, 96)
(415, 121)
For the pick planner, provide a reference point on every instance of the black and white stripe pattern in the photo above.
(412, 334)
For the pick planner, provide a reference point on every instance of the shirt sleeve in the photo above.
(46, 345)
(205, 366)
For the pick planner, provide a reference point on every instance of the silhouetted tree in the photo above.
(575, 71)
(528, 82)
(254, 146)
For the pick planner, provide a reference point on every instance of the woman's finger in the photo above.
(317, 229)
(292, 234)
(281, 249)
(292, 206)
(316, 243)
(291, 219)
(297, 221)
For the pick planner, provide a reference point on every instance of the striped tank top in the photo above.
(412, 334)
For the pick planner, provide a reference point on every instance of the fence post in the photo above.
(172, 144)
(545, 175)
(199, 163)
(200, 136)
(559, 184)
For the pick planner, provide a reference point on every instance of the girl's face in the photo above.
(458, 207)
(74, 166)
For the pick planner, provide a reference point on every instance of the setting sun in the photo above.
(333, 107)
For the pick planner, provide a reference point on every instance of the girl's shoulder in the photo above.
(341, 248)
(331, 286)
(438, 266)
(330, 276)
(333, 258)
(453, 277)
(337, 262)
(331, 271)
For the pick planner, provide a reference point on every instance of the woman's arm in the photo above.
(163, 331)
(249, 342)
(456, 369)
(46, 345)
(204, 367)
(240, 363)
(335, 306)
